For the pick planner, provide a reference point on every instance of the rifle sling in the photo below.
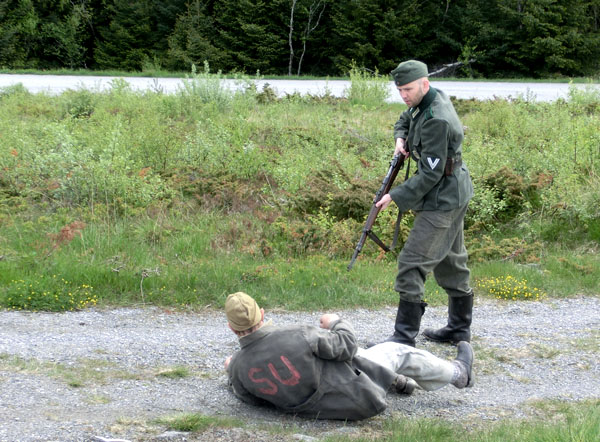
(378, 241)
(397, 227)
(396, 231)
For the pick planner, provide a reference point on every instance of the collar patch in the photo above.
(433, 162)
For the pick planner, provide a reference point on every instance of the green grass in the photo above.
(122, 197)
(86, 372)
(197, 423)
(175, 373)
(196, 261)
(574, 422)
(549, 421)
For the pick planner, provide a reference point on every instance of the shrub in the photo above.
(366, 88)
(211, 88)
(14, 89)
(352, 200)
(485, 248)
(79, 104)
(508, 188)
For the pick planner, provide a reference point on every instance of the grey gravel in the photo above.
(104, 374)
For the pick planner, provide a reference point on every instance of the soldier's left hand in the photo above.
(384, 201)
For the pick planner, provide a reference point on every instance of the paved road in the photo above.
(55, 84)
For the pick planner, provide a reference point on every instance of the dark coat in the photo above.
(433, 133)
(309, 371)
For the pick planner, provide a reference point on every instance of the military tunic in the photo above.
(438, 195)
(309, 371)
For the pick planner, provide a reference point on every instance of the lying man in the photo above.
(321, 373)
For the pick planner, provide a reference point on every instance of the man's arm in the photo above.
(400, 133)
(335, 340)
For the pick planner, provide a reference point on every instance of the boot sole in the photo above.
(427, 334)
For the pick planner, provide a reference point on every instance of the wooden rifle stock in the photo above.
(395, 165)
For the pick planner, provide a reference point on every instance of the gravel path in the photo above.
(100, 375)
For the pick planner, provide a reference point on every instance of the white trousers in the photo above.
(429, 371)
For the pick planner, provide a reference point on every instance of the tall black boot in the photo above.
(408, 322)
(460, 312)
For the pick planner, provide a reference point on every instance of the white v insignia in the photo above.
(433, 162)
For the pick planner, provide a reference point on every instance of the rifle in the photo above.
(395, 165)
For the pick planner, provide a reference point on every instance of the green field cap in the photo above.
(408, 71)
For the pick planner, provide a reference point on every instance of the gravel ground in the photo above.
(98, 375)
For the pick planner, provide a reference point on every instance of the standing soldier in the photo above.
(431, 132)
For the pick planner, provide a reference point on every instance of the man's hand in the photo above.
(327, 319)
(401, 147)
(227, 361)
(384, 201)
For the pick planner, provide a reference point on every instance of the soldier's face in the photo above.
(412, 93)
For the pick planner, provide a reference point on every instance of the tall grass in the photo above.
(368, 88)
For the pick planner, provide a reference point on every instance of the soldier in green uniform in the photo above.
(431, 132)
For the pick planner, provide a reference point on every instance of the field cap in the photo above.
(242, 311)
(409, 71)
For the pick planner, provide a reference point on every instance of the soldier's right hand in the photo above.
(401, 147)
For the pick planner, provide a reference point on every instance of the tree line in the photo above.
(489, 38)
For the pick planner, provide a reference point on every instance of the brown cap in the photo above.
(242, 311)
(409, 71)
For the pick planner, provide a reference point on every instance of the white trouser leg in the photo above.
(429, 371)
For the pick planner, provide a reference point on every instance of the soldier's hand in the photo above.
(401, 147)
(327, 319)
(384, 201)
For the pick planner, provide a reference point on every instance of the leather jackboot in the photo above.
(408, 322)
(460, 312)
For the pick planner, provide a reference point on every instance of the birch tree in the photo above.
(312, 14)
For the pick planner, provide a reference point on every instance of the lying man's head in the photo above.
(243, 313)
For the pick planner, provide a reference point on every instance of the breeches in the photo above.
(429, 371)
(435, 244)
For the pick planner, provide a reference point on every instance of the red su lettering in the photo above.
(294, 378)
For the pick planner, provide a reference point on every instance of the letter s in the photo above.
(272, 390)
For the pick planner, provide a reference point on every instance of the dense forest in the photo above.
(492, 38)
